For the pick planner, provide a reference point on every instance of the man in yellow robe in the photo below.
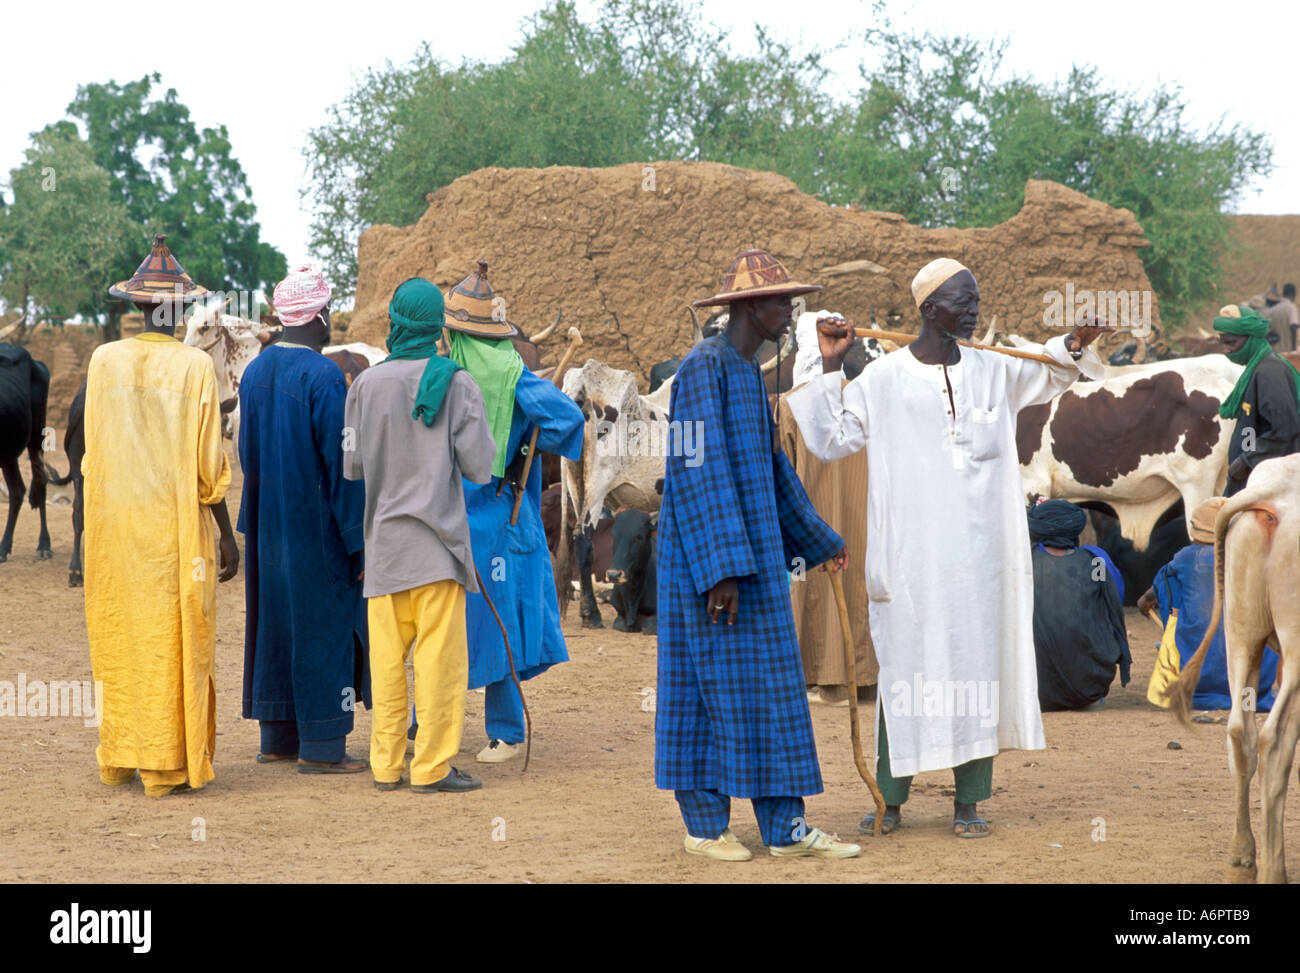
(154, 467)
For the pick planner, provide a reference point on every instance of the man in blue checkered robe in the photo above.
(732, 714)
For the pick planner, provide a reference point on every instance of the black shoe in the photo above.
(457, 780)
(388, 785)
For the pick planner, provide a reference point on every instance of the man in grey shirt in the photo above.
(414, 425)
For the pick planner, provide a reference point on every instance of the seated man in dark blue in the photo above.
(1184, 592)
(1079, 634)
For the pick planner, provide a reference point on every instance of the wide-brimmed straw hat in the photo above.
(472, 308)
(756, 273)
(159, 279)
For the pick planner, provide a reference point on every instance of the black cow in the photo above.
(74, 445)
(1138, 568)
(633, 572)
(24, 390)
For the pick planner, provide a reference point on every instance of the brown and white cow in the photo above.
(1138, 441)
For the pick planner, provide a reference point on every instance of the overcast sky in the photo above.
(269, 70)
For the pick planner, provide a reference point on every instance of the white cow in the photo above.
(1139, 440)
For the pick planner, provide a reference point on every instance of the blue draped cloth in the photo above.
(1186, 583)
(514, 562)
(306, 652)
(731, 705)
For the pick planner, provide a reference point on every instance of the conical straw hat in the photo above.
(473, 309)
(756, 273)
(160, 278)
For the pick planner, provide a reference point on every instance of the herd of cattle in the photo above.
(1139, 448)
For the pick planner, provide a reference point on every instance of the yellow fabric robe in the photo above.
(153, 460)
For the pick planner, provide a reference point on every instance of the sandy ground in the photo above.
(587, 810)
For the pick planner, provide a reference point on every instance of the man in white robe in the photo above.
(949, 573)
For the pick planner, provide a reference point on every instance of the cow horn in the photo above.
(546, 332)
(991, 332)
(1140, 353)
(697, 333)
(6, 332)
(780, 355)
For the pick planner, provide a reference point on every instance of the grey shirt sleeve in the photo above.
(352, 467)
(471, 436)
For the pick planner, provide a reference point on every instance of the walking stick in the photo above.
(575, 339)
(903, 338)
(851, 676)
(510, 658)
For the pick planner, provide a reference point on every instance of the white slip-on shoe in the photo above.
(497, 752)
(817, 844)
(724, 848)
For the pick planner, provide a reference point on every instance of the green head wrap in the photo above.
(496, 367)
(1255, 327)
(416, 313)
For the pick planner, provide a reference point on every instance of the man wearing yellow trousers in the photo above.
(414, 425)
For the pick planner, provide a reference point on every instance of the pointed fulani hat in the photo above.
(473, 309)
(159, 279)
(933, 275)
(756, 273)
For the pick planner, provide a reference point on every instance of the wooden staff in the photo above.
(851, 677)
(903, 338)
(575, 339)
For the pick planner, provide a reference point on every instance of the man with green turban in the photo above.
(513, 559)
(416, 431)
(1266, 399)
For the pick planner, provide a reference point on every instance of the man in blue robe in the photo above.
(1183, 591)
(512, 559)
(732, 714)
(305, 646)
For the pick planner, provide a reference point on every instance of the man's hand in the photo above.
(839, 562)
(229, 557)
(724, 599)
(834, 339)
(1147, 603)
(1087, 329)
(1239, 469)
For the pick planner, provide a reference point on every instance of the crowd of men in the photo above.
(399, 518)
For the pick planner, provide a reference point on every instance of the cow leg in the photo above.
(585, 555)
(1277, 743)
(78, 524)
(14, 484)
(43, 549)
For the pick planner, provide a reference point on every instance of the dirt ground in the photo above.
(587, 810)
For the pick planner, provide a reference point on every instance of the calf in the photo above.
(633, 572)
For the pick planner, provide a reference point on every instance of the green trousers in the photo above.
(974, 778)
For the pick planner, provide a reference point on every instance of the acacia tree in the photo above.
(60, 236)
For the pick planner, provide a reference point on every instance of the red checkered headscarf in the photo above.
(300, 296)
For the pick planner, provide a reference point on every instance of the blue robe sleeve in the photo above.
(1169, 589)
(557, 417)
(1112, 572)
(803, 533)
(707, 514)
(347, 498)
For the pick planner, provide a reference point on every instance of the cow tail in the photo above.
(1183, 688)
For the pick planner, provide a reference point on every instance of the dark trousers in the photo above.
(974, 778)
(706, 813)
(281, 737)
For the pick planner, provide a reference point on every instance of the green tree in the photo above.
(59, 237)
(178, 179)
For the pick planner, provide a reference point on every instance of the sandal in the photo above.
(962, 828)
(348, 765)
(275, 758)
(888, 824)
